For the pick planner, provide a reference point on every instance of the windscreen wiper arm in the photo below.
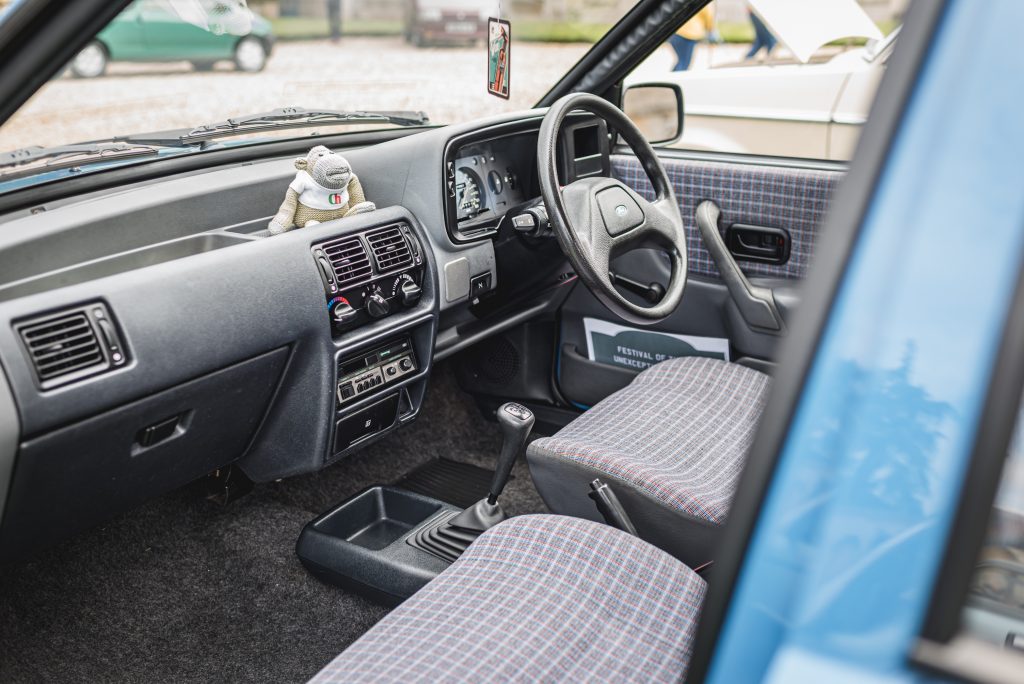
(286, 117)
(73, 155)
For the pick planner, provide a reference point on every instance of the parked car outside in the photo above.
(435, 22)
(784, 107)
(162, 31)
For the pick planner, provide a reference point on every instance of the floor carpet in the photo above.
(185, 590)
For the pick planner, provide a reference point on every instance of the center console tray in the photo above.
(361, 544)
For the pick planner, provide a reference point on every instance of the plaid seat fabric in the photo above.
(679, 433)
(539, 598)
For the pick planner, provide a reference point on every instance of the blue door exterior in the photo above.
(840, 569)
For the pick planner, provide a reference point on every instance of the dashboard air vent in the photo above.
(390, 250)
(348, 259)
(72, 345)
(63, 345)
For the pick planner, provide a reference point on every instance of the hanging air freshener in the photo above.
(499, 47)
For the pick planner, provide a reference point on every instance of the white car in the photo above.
(812, 110)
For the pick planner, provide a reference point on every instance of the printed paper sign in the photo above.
(637, 349)
(499, 47)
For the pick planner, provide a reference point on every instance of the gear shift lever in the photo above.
(450, 536)
(516, 421)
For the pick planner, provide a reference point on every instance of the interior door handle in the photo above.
(755, 304)
(758, 243)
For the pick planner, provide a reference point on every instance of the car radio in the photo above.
(370, 275)
(369, 371)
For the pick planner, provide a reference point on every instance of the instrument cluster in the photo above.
(485, 179)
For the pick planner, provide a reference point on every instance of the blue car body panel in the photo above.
(840, 569)
(60, 174)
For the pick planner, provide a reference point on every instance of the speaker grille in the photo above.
(497, 361)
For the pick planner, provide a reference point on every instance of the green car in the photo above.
(202, 33)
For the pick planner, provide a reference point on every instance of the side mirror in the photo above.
(656, 109)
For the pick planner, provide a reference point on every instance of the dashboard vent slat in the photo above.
(390, 249)
(348, 259)
(62, 345)
(82, 343)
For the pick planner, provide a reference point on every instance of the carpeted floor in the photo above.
(185, 590)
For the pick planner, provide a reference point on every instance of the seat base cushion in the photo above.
(671, 445)
(538, 598)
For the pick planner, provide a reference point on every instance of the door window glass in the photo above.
(772, 77)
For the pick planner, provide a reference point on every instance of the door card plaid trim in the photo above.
(793, 199)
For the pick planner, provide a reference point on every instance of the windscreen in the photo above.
(181, 64)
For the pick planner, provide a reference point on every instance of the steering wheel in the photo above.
(598, 218)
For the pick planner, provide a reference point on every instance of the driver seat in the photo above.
(671, 445)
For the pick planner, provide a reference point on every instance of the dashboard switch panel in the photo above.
(368, 372)
(369, 275)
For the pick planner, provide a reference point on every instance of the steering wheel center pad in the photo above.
(596, 219)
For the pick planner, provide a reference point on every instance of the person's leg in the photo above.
(756, 45)
(676, 41)
(688, 54)
(684, 51)
(334, 19)
(763, 36)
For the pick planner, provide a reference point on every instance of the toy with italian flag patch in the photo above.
(324, 189)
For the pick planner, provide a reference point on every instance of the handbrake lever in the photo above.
(610, 507)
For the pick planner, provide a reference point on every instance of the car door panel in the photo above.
(851, 110)
(169, 36)
(123, 36)
(757, 109)
(762, 134)
(793, 199)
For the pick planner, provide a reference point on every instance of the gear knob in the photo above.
(515, 421)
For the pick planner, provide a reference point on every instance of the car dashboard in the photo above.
(154, 333)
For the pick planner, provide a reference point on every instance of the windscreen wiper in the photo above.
(286, 117)
(65, 156)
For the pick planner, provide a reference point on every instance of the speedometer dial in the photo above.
(469, 193)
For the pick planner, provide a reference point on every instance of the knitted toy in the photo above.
(324, 189)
